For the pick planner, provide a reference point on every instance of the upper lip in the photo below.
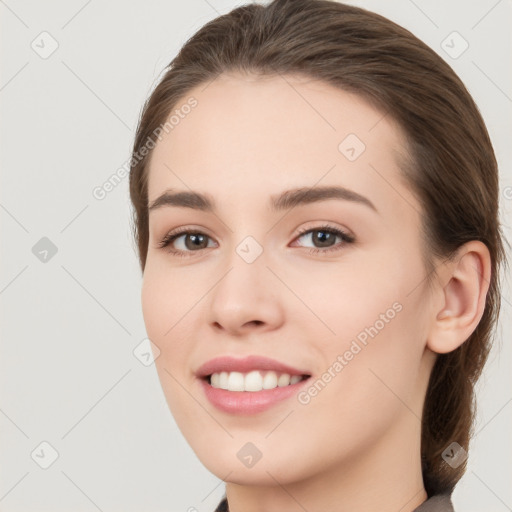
(244, 365)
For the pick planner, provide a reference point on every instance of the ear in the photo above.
(464, 283)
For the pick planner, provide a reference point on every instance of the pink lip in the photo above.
(248, 402)
(247, 364)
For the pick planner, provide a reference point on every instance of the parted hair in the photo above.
(450, 165)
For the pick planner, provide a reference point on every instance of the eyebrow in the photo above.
(286, 200)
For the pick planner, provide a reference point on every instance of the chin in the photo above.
(264, 472)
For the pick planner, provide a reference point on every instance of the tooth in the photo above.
(253, 381)
(215, 380)
(236, 381)
(223, 380)
(284, 380)
(270, 380)
(295, 379)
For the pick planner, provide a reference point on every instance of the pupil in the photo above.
(196, 240)
(324, 237)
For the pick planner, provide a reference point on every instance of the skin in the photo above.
(356, 445)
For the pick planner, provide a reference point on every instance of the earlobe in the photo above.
(461, 298)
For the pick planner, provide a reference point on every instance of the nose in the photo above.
(247, 298)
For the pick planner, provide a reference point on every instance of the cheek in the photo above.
(166, 298)
(173, 303)
(375, 318)
(164, 312)
(344, 299)
(165, 317)
(156, 306)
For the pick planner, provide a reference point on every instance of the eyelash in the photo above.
(169, 238)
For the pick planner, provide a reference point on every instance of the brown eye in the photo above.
(185, 241)
(324, 238)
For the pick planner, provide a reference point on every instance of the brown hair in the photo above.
(452, 167)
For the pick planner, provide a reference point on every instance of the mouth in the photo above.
(251, 384)
(238, 393)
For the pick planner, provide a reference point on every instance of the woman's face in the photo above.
(264, 272)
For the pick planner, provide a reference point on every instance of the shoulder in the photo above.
(223, 505)
(436, 503)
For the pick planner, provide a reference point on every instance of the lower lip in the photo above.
(249, 402)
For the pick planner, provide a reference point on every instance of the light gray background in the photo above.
(69, 325)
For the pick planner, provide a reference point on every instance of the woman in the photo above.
(316, 211)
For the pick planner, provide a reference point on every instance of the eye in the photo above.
(325, 236)
(193, 241)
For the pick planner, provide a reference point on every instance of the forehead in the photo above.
(249, 134)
